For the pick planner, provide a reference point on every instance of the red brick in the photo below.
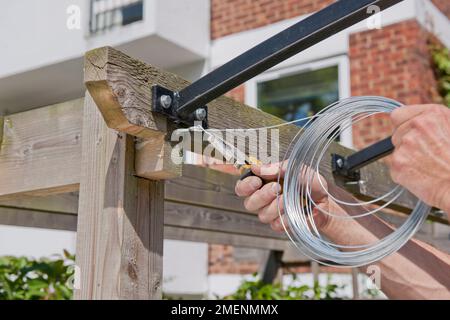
(393, 62)
(231, 16)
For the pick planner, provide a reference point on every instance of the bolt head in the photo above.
(200, 114)
(166, 101)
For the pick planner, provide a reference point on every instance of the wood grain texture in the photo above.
(205, 187)
(60, 203)
(196, 217)
(2, 121)
(121, 86)
(217, 237)
(40, 151)
(153, 159)
(37, 219)
(120, 222)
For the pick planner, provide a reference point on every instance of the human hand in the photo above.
(421, 159)
(262, 198)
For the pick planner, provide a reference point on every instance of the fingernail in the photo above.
(276, 188)
(270, 169)
(255, 182)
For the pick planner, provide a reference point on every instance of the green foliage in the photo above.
(255, 289)
(43, 279)
(441, 61)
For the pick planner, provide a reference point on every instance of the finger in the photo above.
(317, 183)
(262, 197)
(277, 225)
(400, 132)
(248, 186)
(270, 171)
(405, 113)
(270, 213)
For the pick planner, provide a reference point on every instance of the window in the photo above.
(301, 91)
(105, 14)
(299, 95)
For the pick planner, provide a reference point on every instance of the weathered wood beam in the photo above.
(121, 87)
(217, 237)
(196, 217)
(40, 151)
(66, 203)
(205, 187)
(57, 212)
(11, 216)
(120, 221)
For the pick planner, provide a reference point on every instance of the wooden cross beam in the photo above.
(121, 88)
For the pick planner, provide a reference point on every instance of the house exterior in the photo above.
(44, 44)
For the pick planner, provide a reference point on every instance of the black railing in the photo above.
(107, 14)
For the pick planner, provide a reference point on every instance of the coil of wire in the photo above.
(309, 150)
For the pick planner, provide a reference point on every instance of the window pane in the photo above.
(300, 95)
(132, 13)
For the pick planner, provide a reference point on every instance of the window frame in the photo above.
(341, 61)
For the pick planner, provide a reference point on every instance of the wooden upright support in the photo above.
(120, 220)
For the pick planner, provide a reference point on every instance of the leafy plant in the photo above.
(44, 279)
(255, 289)
(441, 61)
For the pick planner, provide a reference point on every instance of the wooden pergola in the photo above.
(101, 166)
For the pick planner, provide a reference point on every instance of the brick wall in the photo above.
(393, 62)
(221, 260)
(231, 16)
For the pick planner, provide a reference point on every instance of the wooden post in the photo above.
(120, 219)
(355, 284)
(315, 269)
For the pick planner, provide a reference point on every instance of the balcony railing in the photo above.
(107, 14)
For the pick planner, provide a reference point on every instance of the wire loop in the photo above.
(306, 152)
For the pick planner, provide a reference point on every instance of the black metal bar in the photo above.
(276, 49)
(370, 154)
(348, 167)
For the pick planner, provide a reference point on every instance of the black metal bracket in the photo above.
(165, 101)
(348, 167)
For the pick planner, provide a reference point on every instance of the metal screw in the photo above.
(165, 101)
(340, 163)
(200, 114)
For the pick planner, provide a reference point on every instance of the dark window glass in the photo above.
(121, 13)
(299, 95)
(132, 13)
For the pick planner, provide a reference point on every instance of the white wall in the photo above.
(34, 242)
(37, 45)
(35, 33)
(185, 268)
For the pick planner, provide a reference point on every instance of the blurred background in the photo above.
(401, 55)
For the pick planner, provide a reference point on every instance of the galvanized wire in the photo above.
(306, 152)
